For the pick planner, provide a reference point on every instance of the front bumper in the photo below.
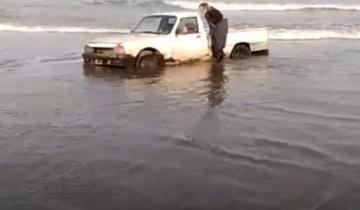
(119, 61)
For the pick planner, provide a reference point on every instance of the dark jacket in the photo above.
(213, 16)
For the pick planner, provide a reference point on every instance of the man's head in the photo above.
(204, 7)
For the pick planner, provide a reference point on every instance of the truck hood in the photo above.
(113, 41)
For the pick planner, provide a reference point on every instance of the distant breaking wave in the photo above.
(58, 29)
(275, 34)
(267, 7)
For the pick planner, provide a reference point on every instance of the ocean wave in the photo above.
(57, 29)
(305, 34)
(274, 34)
(267, 6)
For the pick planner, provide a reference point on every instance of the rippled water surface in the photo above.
(277, 132)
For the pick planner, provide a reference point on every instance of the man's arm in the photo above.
(214, 16)
(208, 20)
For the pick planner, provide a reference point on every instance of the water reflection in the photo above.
(185, 82)
(104, 71)
(216, 88)
(198, 83)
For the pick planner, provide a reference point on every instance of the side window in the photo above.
(188, 26)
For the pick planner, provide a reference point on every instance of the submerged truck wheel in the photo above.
(240, 51)
(149, 60)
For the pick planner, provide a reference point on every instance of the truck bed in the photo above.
(257, 38)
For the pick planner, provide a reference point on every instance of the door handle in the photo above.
(198, 36)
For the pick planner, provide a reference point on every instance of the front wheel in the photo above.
(240, 51)
(149, 60)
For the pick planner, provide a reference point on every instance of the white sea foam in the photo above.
(58, 29)
(289, 34)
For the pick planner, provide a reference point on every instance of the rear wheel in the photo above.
(240, 51)
(149, 60)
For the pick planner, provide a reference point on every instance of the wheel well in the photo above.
(242, 43)
(148, 49)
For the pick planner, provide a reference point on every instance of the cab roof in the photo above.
(177, 14)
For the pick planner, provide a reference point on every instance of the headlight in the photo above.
(119, 50)
(88, 49)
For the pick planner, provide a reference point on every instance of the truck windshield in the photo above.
(156, 25)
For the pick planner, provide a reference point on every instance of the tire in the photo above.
(240, 51)
(149, 60)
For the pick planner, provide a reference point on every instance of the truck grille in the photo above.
(108, 52)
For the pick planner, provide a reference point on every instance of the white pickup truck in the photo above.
(170, 38)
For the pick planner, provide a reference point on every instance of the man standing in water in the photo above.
(218, 29)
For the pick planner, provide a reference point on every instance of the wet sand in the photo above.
(277, 132)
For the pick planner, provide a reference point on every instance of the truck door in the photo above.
(189, 43)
